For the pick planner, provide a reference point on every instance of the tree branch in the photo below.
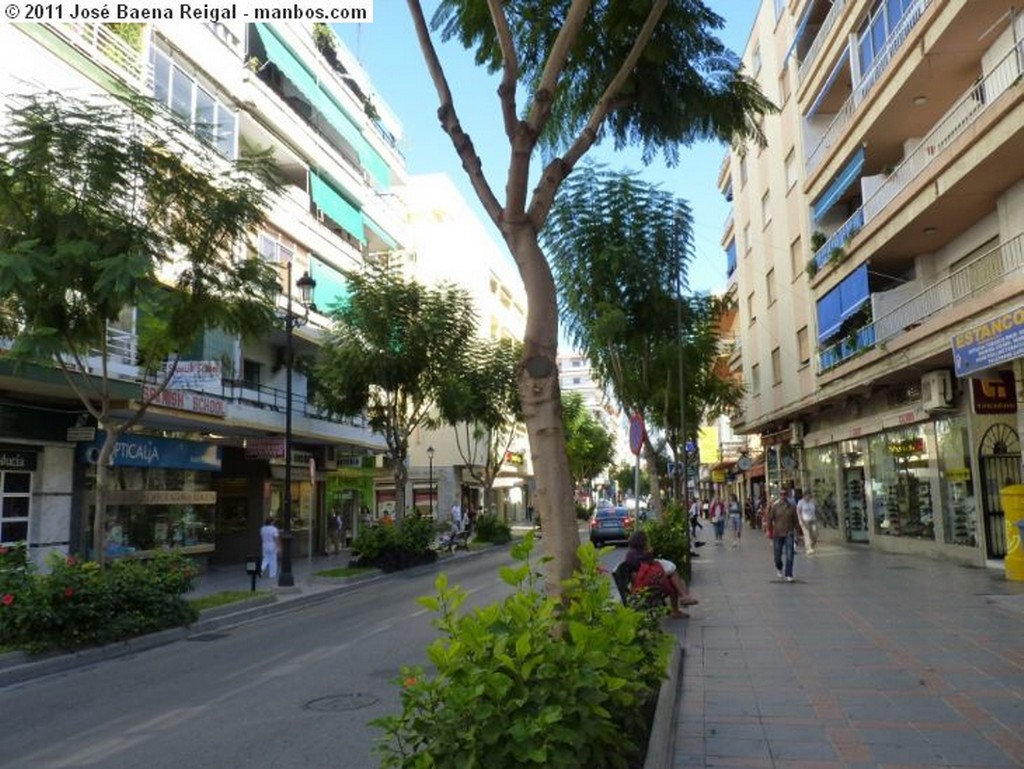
(449, 118)
(540, 111)
(559, 168)
(509, 68)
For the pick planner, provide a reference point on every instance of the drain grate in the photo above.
(207, 637)
(342, 702)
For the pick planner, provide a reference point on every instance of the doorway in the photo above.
(999, 459)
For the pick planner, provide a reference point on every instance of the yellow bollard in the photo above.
(1012, 499)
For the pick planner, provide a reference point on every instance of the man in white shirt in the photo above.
(457, 517)
(806, 512)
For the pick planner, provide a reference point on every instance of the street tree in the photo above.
(589, 445)
(650, 73)
(390, 350)
(480, 401)
(621, 249)
(108, 206)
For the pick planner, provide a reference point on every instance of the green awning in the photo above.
(290, 65)
(332, 203)
(331, 287)
(389, 241)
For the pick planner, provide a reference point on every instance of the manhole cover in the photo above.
(207, 637)
(340, 702)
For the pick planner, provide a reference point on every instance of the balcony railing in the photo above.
(838, 239)
(837, 128)
(973, 279)
(123, 345)
(819, 40)
(275, 399)
(964, 113)
(104, 46)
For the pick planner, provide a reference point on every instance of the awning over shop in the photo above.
(842, 302)
(757, 471)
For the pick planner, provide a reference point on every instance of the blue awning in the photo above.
(800, 28)
(840, 184)
(842, 302)
(332, 203)
(829, 83)
(730, 258)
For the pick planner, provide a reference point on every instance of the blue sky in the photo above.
(390, 53)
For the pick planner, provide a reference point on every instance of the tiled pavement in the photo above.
(866, 660)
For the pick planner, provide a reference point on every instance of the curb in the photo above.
(661, 743)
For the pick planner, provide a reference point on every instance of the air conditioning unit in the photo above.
(936, 390)
(796, 432)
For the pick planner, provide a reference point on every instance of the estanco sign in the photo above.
(997, 340)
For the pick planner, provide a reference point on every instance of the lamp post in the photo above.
(430, 477)
(291, 322)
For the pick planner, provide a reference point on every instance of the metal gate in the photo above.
(999, 456)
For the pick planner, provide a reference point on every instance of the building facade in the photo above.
(875, 252)
(208, 461)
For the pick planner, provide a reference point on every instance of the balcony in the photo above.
(819, 40)
(837, 128)
(964, 113)
(111, 51)
(973, 279)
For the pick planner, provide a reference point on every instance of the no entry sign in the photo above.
(636, 433)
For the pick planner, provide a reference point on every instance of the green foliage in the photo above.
(812, 267)
(131, 33)
(590, 447)
(818, 239)
(669, 537)
(81, 604)
(490, 528)
(227, 597)
(390, 546)
(530, 682)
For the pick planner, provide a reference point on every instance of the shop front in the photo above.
(161, 495)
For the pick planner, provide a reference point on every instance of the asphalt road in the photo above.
(290, 690)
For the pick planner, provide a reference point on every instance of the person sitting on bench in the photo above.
(673, 586)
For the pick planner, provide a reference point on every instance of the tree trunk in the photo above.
(542, 408)
(99, 520)
(401, 474)
(652, 473)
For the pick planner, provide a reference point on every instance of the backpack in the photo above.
(650, 575)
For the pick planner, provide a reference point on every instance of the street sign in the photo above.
(671, 469)
(636, 433)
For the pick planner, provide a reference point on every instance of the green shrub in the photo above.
(532, 681)
(391, 546)
(489, 528)
(80, 604)
(669, 537)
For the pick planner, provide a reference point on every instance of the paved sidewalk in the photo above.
(866, 660)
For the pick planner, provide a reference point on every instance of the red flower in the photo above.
(8, 599)
(71, 560)
(68, 592)
(410, 681)
(3, 550)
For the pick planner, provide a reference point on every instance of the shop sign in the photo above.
(958, 474)
(17, 460)
(161, 497)
(147, 451)
(718, 476)
(514, 458)
(195, 375)
(776, 439)
(264, 448)
(997, 340)
(182, 400)
(907, 447)
(995, 396)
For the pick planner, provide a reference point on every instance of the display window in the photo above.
(821, 476)
(855, 517)
(15, 504)
(959, 511)
(901, 483)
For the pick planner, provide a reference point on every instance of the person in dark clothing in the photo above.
(678, 593)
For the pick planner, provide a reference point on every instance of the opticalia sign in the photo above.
(146, 451)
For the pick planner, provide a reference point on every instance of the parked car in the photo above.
(611, 524)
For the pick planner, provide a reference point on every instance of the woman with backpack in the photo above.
(650, 572)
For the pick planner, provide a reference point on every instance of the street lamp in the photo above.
(430, 477)
(291, 322)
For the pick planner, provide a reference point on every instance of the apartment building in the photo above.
(448, 243)
(875, 252)
(208, 462)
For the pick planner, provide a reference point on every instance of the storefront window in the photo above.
(15, 502)
(901, 483)
(821, 475)
(959, 517)
(855, 517)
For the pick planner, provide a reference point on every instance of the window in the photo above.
(15, 501)
(766, 208)
(273, 250)
(251, 373)
(755, 379)
(746, 238)
(750, 308)
(803, 346)
(755, 61)
(743, 171)
(776, 366)
(769, 281)
(784, 86)
(796, 262)
(791, 172)
(201, 112)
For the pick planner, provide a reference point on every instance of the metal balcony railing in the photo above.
(837, 128)
(819, 40)
(837, 241)
(275, 399)
(103, 45)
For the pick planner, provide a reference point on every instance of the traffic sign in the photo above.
(636, 433)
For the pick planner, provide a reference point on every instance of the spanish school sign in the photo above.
(997, 340)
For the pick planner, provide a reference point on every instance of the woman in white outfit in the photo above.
(271, 539)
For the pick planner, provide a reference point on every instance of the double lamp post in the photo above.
(292, 321)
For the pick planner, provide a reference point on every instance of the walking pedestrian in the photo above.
(807, 512)
(695, 517)
(735, 519)
(783, 520)
(270, 537)
(717, 514)
(336, 526)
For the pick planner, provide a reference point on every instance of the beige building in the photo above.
(875, 252)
